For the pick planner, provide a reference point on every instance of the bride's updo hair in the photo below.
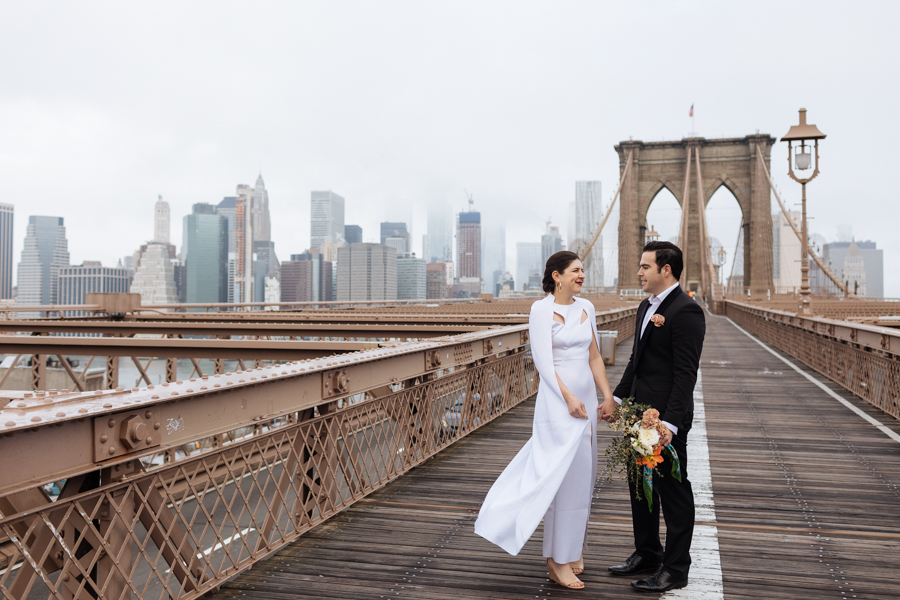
(559, 262)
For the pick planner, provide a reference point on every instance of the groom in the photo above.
(661, 373)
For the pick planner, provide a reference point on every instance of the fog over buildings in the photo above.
(114, 104)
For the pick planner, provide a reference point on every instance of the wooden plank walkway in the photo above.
(803, 503)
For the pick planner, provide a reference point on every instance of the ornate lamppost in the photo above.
(651, 236)
(803, 133)
(721, 256)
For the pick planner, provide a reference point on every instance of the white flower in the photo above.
(641, 449)
(649, 437)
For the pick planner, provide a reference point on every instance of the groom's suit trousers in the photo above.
(677, 502)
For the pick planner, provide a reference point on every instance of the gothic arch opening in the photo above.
(664, 215)
(724, 218)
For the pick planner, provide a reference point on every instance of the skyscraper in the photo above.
(46, 251)
(326, 218)
(367, 272)
(551, 243)
(438, 279)
(396, 230)
(265, 266)
(493, 254)
(468, 239)
(228, 209)
(306, 277)
(243, 266)
(353, 234)
(262, 222)
(205, 252)
(91, 277)
(154, 268)
(440, 235)
(161, 222)
(154, 274)
(6, 250)
(588, 214)
(411, 279)
(528, 262)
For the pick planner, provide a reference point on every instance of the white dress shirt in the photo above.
(655, 301)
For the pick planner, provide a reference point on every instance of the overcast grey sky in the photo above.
(397, 105)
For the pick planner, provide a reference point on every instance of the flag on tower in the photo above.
(692, 111)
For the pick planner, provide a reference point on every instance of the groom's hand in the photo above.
(666, 437)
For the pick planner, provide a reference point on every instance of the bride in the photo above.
(552, 476)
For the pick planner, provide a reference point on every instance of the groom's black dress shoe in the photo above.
(661, 581)
(634, 565)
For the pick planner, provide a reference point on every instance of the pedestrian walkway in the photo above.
(797, 498)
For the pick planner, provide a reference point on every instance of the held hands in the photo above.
(606, 410)
(665, 437)
(576, 407)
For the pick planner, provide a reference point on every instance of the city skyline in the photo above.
(142, 121)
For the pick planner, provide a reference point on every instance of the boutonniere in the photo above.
(658, 320)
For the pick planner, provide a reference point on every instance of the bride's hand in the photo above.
(576, 407)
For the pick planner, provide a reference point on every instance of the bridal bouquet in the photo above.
(639, 452)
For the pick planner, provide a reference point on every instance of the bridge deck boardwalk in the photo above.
(804, 500)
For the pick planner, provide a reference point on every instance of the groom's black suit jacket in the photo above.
(663, 366)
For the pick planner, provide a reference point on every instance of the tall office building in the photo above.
(306, 277)
(834, 255)
(588, 214)
(262, 222)
(265, 267)
(367, 272)
(353, 234)
(399, 231)
(243, 231)
(438, 279)
(468, 239)
(326, 218)
(528, 263)
(154, 274)
(411, 278)
(46, 251)
(6, 250)
(493, 254)
(854, 270)
(154, 263)
(551, 243)
(228, 209)
(440, 235)
(205, 254)
(90, 277)
(161, 221)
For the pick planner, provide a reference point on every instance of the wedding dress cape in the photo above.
(518, 500)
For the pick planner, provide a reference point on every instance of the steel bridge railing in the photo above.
(863, 359)
(169, 490)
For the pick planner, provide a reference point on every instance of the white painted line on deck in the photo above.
(705, 579)
(868, 418)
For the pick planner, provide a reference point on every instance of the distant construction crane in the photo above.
(470, 198)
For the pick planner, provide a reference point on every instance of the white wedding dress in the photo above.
(552, 476)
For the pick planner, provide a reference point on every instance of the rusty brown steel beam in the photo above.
(217, 328)
(177, 348)
(82, 431)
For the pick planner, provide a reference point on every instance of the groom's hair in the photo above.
(667, 253)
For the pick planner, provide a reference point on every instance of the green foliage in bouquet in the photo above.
(639, 452)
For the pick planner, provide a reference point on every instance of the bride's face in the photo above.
(572, 279)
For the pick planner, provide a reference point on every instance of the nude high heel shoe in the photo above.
(577, 566)
(572, 584)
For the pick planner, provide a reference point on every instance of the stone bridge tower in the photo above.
(729, 162)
